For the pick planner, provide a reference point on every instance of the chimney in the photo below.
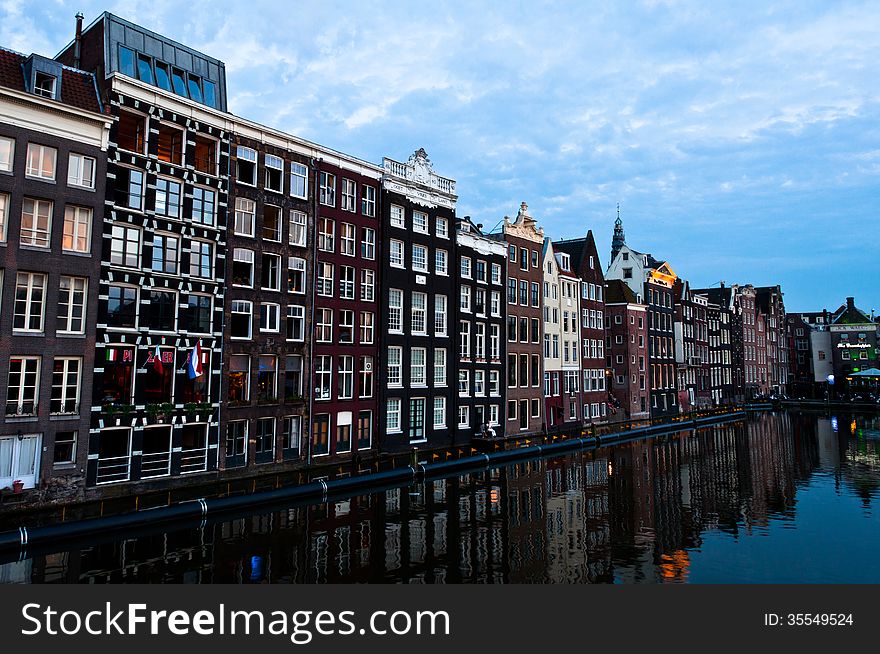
(78, 47)
(850, 303)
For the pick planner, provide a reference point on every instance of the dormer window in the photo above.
(564, 262)
(44, 84)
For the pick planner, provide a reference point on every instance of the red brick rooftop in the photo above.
(77, 87)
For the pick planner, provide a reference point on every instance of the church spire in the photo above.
(619, 240)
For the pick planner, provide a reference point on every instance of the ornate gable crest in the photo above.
(417, 180)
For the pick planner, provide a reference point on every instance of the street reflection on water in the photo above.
(781, 498)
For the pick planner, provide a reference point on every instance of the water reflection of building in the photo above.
(631, 513)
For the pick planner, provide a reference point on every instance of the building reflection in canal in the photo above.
(631, 513)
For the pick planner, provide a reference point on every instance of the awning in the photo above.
(870, 372)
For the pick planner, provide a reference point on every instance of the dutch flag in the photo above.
(194, 367)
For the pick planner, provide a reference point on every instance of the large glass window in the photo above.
(7, 153)
(131, 131)
(298, 180)
(243, 267)
(245, 216)
(296, 323)
(169, 145)
(4, 215)
(272, 223)
(72, 304)
(162, 310)
(328, 189)
(36, 222)
(201, 259)
(368, 201)
(65, 385)
(241, 321)
(167, 198)
(274, 167)
(203, 206)
(293, 377)
(41, 161)
(239, 378)
(267, 378)
(122, 306)
(166, 253)
(77, 229)
(158, 378)
(118, 374)
(298, 225)
(30, 299)
(23, 387)
(80, 170)
(323, 377)
(125, 246)
(246, 165)
(270, 273)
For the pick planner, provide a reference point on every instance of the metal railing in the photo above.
(113, 469)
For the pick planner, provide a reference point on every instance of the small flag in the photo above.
(194, 368)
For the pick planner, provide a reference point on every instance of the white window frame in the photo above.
(76, 171)
(245, 209)
(38, 237)
(420, 222)
(66, 320)
(395, 367)
(270, 321)
(396, 256)
(420, 261)
(440, 367)
(349, 195)
(78, 217)
(397, 216)
(66, 388)
(300, 172)
(419, 313)
(395, 311)
(7, 150)
(36, 164)
(30, 287)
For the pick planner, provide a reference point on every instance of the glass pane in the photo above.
(210, 93)
(145, 69)
(195, 92)
(179, 84)
(126, 61)
(6, 447)
(163, 78)
(27, 452)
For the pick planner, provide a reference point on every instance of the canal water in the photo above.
(780, 498)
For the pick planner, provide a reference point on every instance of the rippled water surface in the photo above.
(780, 498)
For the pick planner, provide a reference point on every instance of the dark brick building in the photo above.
(345, 350)
(525, 369)
(585, 263)
(419, 341)
(626, 346)
(719, 319)
(269, 280)
(53, 153)
(480, 315)
(652, 282)
(155, 405)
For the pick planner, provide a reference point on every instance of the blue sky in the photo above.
(742, 142)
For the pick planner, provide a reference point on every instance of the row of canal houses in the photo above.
(192, 296)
